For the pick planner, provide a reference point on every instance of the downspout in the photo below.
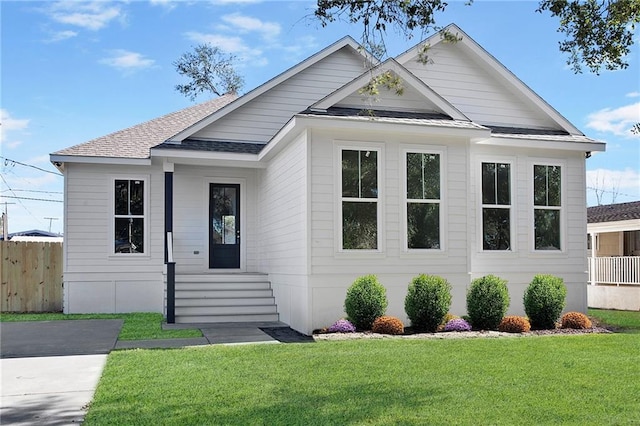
(168, 242)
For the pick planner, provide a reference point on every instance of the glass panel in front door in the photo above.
(224, 201)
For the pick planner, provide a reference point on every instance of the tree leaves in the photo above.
(209, 70)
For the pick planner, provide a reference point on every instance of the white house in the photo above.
(614, 256)
(269, 205)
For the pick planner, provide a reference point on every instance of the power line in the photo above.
(32, 199)
(611, 192)
(7, 160)
(33, 190)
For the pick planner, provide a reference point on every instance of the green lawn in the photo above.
(576, 379)
(622, 320)
(137, 326)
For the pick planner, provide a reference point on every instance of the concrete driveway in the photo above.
(50, 369)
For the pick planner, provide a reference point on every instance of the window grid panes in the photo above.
(496, 206)
(359, 181)
(423, 200)
(547, 196)
(129, 216)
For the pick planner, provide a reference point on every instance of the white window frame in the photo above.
(145, 216)
(423, 149)
(339, 147)
(512, 199)
(561, 208)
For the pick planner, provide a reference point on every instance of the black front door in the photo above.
(224, 226)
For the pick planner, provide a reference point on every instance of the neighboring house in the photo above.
(34, 235)
(614, 231)
(271, 204)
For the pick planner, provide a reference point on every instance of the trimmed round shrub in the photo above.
(366, 300)
(487, 302)
(457, 324)
(575, 320)
(514, 324)
(544, 300)
(342, 326)
(387, 325)
(427, 302)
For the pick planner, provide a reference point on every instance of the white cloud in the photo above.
(88, 15)
(167, 4)
(245, 24)
(61, 35)
(124, 60)
(230, 44)
(618, 121)
(10, 124)
(633, 95)
(615, 185)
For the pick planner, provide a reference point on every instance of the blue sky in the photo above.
(73, 71)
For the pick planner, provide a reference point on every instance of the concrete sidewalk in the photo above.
(48, 390)
(49, 369)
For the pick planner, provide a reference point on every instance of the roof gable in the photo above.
(473, 80)
(417, 96)
(346, 43)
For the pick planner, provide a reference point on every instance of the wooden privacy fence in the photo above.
(30, 276)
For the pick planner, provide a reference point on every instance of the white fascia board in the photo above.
(332, 122)
(206, 158)
(496, 66)
(618, 226)
(545, 144)
(99, 160)
(248, 97)
(390, 65)
(280, 139)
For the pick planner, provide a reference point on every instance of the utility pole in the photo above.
(50, 220)
(5, 222)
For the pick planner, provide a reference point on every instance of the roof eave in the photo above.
(343, 42)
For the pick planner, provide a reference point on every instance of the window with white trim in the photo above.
(129, 215)
(547, 206)
(359, 185)
(496, 206)
(423, 194)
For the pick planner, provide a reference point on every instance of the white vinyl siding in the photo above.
(472, 89)
(271, 110)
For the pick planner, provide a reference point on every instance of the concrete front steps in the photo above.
(217, 298)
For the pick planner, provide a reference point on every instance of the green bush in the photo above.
(427, 302)
(366, 300)
(487, 302)
(544, 301)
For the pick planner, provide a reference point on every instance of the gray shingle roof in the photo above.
(135, 141)
(398, 117)
(214, 146)
(614, 212)
(536, 134)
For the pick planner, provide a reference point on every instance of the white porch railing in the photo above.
(614, 270)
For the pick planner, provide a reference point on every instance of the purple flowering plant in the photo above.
(457, 324)
(342, 326)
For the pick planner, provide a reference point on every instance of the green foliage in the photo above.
(427, 302)
(366, 300)
(544, 300)
(487, 302)
(208, 70)
(598, 33)
(387, 325)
